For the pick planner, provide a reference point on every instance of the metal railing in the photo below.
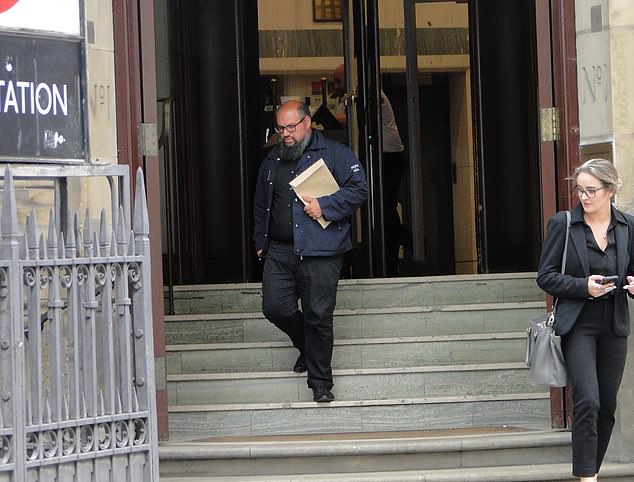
(169, 199)
(77, 391)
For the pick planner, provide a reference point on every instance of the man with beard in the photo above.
(302, 260)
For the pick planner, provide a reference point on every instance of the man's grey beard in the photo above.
(294, 152)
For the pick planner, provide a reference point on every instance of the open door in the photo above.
(361, 60)
(427, 106)
(559, 151)
(135, 84)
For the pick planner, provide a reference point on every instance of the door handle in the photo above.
(349, 98)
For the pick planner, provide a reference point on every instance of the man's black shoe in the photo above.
(322, 394)
(300, 365)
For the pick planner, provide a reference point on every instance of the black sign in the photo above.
(41, 116)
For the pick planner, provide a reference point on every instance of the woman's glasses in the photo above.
(590, 192)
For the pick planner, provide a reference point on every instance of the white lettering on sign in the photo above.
(23, 97)
(596, 83)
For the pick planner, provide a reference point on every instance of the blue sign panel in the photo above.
(41, 111)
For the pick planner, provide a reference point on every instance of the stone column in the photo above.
(621, 447)
(605, 41)
(621, 34)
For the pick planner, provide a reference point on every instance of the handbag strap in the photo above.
(563, 260)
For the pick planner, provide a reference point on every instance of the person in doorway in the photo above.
(394, 165)
(592, 314)
(303, 260)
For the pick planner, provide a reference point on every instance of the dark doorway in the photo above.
(436, 166)
(214, 64)
(221, 113)
(507, 147)
(438, 176)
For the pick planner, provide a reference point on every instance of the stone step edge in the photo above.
(528, 275)
(510, 473)
(188, 377)
(236, 407)
(510, 335)
(369, 311)
(358, 447)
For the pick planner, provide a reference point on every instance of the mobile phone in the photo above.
(608, 279)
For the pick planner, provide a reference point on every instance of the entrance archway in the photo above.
(472, 199)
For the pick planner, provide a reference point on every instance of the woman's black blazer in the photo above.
(571, 288)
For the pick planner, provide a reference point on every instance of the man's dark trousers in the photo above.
(288, 278)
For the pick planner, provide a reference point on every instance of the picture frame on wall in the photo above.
(327, 10)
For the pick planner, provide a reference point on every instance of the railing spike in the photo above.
(122, 231)
(88, 248)
(31, 230)
(29, 412)
(95, 244)
(100, 404)
(42, 247)
(70, 235)
(80, 243)
(24, 248)
(135, 400)
(122, 215)
(113, 245)
(47, 412)
(103, 233)
(9, 223)
(77, 231)
(141, 220)
(62, 246)
(65, 409)
(118, 403)
(82, 408)
(131, 244)
(51, 242)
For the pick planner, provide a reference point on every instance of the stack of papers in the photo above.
(316, 181)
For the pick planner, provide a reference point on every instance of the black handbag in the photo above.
(544, 356)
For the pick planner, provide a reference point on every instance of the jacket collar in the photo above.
(578, 237)
(576, 215)
(317, 141)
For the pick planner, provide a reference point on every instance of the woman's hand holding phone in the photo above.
(601, 285)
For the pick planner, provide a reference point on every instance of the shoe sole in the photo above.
(324, 397)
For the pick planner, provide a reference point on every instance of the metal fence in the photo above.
(77, 399)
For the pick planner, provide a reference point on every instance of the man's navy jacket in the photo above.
(310, 239)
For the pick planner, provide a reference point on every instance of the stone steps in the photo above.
(371, 293)
(354, 353)
(370, 415)
(411, 355)
(451, 365)
(517, 473)
(352, 384)
(350, 458)
(364, 323)
(503, 454)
